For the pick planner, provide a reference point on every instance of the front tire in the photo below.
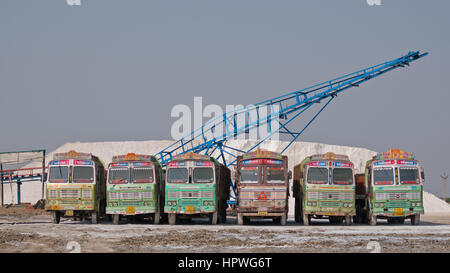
(372, 220)
(415, 220)
(172, 218)
(213, 218)
(306, 220)
(283, 219)
(56, 217)
(94, 218)
(240, 219)
(116, 218)
(348, 220)
(156, 218)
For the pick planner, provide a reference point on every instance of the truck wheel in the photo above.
(306, 219)
(116, 218)
(172, 218)
(415, 220)
(372, 220)
(94, 217)
(213, 218)
(297, 210)
(56, 217)
(283, 219)
(348, 220)
(156, 217)
(240, 219)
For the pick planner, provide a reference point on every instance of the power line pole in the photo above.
(444, 177)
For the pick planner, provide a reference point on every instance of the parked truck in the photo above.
(324, 187)
(75, 186)
(390, 188)
(135, 188)
(196, 186)
(262, 186)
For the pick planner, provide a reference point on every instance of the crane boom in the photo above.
(284, 109)
(292, 104)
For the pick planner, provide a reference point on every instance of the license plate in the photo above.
(69, 212)
(130, 210)
(189, 208)
(262, 213)
(398, 212)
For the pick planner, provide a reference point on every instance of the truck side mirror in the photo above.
(45, 177)
(422, 174)
(290, 175)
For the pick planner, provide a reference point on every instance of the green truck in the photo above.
(196, 186)
(75, 187)
(324, 187)
(135, 187)
(262, 185)
(391, 188)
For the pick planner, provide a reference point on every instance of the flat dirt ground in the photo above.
(29, 230)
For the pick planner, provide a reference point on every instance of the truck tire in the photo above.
(372, 220)
(172, 218)
(240, 219)
(283, 219)
(348, 220)
(156, 217)
(415, 219)
(297, 211)
(94, 218)
(115, 219)
(56, 217)
(223, 212)
(306, 219)
(213, 218)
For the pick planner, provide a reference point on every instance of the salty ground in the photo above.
(28, 230)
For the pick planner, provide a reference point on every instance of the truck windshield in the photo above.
(142, 175)
(83, 174)
(119, 175)
(203, 175)
(275, 175)
(317, 176)
(59, 174)
(383, 176)
(177, 175)
(342, 176)
(249, 175)
(409, 175)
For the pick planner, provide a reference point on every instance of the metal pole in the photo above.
(43, 174)
(444, 176)
(18, 191)
(1, 169)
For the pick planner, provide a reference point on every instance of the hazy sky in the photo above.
(111, 70)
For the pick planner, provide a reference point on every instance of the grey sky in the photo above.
(111, 70)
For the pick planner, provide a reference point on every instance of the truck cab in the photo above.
(196, 186)
(392, 190)
(262, 184)
(75, 186)
(135, 188)
(324, 187)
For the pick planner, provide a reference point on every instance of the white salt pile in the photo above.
(434, 205)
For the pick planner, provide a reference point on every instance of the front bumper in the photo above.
(330, 211)
(137, 210)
